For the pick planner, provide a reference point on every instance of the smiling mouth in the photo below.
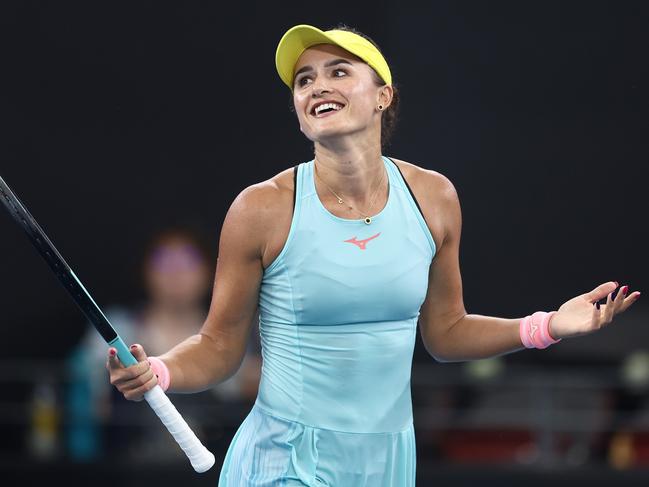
(326, 109)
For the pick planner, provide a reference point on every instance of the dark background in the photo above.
(119, 119)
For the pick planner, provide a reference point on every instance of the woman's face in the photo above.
(334, 94)
(177, 273)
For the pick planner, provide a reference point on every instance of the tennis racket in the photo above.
(199, 456)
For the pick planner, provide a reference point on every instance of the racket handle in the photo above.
(199, 456)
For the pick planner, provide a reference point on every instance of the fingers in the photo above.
(134, 390)
(113, 362)
(125, 374)
(596, 319)
(619, 299)
(601, 291)
(615, 305)
(138, 352)
(608, 310)
(629, 300)
(132, 381)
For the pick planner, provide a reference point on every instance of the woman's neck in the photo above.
(352, 170)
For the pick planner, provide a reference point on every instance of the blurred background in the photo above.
(129, 128)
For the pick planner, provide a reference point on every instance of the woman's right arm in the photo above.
(215, 353)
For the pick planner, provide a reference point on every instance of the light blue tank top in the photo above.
(338, 313)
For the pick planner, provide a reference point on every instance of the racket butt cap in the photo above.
(205, 463)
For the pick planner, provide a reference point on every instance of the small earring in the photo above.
(380, 107)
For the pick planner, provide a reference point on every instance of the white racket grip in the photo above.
(199, 456)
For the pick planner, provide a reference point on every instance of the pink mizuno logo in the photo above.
(362, 243)
(533, 330)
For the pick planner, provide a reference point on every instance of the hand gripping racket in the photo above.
(199, 456)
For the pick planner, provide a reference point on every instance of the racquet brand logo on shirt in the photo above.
(361, 244)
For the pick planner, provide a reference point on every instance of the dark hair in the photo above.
(390, 115)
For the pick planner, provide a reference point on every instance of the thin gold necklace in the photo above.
(367, 218)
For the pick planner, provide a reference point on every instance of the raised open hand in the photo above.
(583, 314)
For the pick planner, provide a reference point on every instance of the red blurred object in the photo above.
(640, 448)
(486, 446)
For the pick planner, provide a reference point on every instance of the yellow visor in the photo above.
(299, 38)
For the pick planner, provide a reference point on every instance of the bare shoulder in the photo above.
(266, 207)
(259, 200)
(431, 184)
(437, 199)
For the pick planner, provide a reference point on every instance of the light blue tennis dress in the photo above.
(338, 317)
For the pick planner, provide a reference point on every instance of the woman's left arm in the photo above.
(450, 334)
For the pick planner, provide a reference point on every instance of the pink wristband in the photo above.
(535, 330)
(161, 371)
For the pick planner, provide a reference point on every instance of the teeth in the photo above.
(324, 106)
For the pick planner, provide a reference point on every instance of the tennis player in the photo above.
(343, 255)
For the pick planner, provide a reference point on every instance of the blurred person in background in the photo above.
(177, 278)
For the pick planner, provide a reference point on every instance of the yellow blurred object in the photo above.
(635, 370)
(621, 454)
(45, 418)
(484, 369)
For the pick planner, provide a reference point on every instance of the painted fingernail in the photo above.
(112, 352)
(597, 304)
(133, 347)
(625, 290)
